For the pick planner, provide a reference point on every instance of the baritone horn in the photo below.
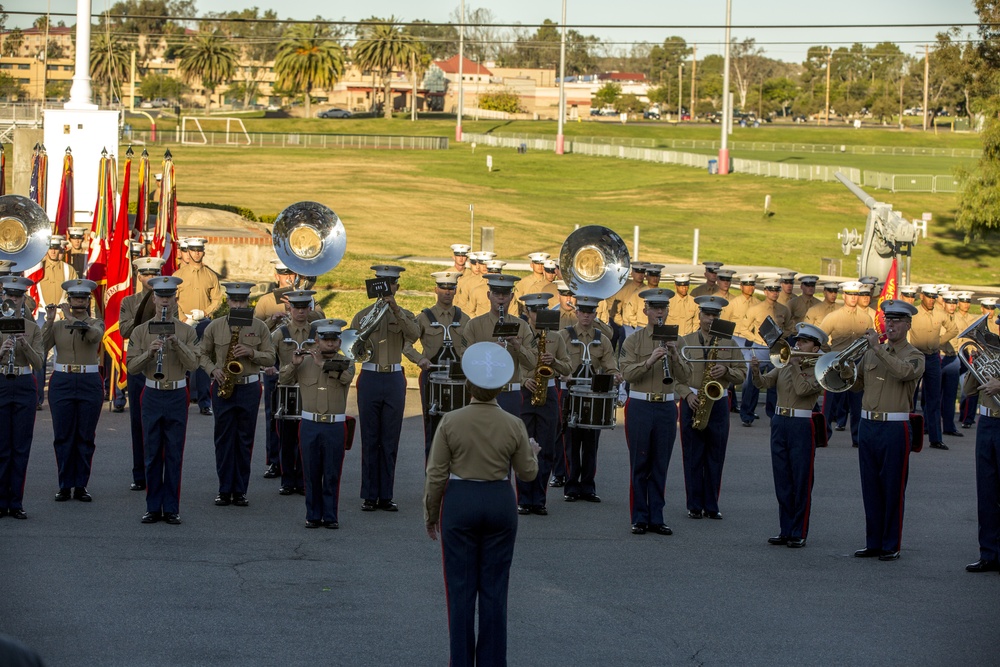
(981, 354)
(594, 261)
(838, 371)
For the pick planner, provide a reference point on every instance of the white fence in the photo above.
(299, 140)
(799, 172)
(778, 147)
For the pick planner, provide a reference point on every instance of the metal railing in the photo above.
(830, 149)
(302, 140)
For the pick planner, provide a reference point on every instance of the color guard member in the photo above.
(382, 394)
(793, 442)
(888, 374)
(183, 253)
(235, 416)
(76, 255)
(799, 305)
(817, 313)
(752, 322)
(650, 413)
(711, 284)
(324, 377)
(987, 472)
(75, 391)
(199, 296)
(163, 361)
(844, 326)
(929, 330)
(950, 368)
(19, 355)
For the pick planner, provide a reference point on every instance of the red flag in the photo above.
(141, 198)
(119, 282)
(64, 210)
(890, 290)
(104, 215)
(3, 172)
(165, 235)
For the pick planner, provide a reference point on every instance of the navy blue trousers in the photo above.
(988, 486)
(136, 384)
(75, 401)
(430, 421)
(235, 426)
(968, 408)
(272, 446)
(381, 398)
(884, 455)
(950, 370)
(510, 402)
(323, 460)
(199, 379)
(650, 431)
(581, 455)
(478, 528)
(542, 424)
(164, 426)
(18, 398)
(40, 376)
(834, 403)
(930, 394)
(291, 455)
(704, 456)
(750, 395)
(793, 451)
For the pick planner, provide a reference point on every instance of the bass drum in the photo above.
(289, 405)
(591, 410)
(447, 393)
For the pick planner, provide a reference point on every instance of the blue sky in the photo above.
(787, 44)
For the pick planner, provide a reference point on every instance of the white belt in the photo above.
(166, 385)
(987, 412)
(463, 479)
(652, 398)
(886, 416)
(513, 386)
(792, 412)
(323, 418)
(552, 383)
(75, 368)
(17, 370)
(381, 368)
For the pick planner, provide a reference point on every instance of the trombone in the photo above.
(780, 354)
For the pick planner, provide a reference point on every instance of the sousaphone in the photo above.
(594, 261)
(24, 231)
(309, 238)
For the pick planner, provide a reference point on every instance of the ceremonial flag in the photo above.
(104, 215)
(3, 172)
(36, 187)
(64, 209)
(890, 290)
(165, 235)
(141, 198)
(119, 282)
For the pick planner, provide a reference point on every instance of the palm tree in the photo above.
(211, 58)
(307, 58)
(383, 47)
(109, 63)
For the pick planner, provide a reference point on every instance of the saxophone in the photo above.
(232, 368)
(710, 391)
(542, 374)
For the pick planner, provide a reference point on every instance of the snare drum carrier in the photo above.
(446, 386)
(592, 400)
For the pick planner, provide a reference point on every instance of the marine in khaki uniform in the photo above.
(964, 318)
(930, 328)
(76, 253)
(683, 310)
(711, 284)
(270, 307)
(908, 294)
(533, 283)
(987, 471)
(844, 326)
(632, 311)
(324, 377)
(988, 306)
(471, 279)
(201, 290)
(738, 306)
(723, 284)
(566, 305)
(752, 321)
(787, 292)
(460, 258)
(818, 313)
(162, 362)
(799, 305)
(479, 302)
(55, 272)
(951, 368)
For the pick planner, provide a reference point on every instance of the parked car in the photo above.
(651, 113)
(334, 113)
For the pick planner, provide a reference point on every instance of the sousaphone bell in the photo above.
(309, 238)
(594, 260)
(24, 231)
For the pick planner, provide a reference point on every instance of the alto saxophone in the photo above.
(232, 368)
(710, 390)
(542, 374)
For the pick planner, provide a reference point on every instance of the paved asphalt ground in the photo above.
(87, 584)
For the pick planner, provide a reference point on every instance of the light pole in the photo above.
(560, 139)
(727, 112)
(461, 74)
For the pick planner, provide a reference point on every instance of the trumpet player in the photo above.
(19, 355)
(793, 442)
(162, 361)
(704, 451)
(235, 415)
(651, 413)
(888, 373)
(987, 470)
(75, 388)
(540, 405)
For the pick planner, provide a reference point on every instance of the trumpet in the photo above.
(781, 353)
(666, 362)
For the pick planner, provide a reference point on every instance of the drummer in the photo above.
(442, 321)
(590, 353)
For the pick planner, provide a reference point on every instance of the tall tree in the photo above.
(383, 48)
(748, 64)
(210, 57)
(540, 50)
(109, 63)
(308, 58)
(440, 41)
(148, 25)
(258, 35)
(664, 59)
(12, 42)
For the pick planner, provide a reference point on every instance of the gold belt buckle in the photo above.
(75, 368)
(993, 413)
(655, 398)
(385, 368)
(879, 416)
(326, 419)
(784, 412)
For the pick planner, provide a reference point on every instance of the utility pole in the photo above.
(131, 73)
(829, 61)
(694, 67)
(461, 57)
(927, 78)
(680, 91)
(413, 96)
(560, 138)
(727, 109)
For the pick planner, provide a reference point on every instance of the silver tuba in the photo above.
(981, 354)
(594, 261)
(355, 343)
(24, 231)
(309, 238)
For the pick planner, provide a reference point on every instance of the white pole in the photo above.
(560, 139)
(472, 225)
(635, 243)
(694, 254)
(727, 109)
(81, 95)
(461, 58)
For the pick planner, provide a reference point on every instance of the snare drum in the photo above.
(447, 393)
(590, 409)
(289, 405)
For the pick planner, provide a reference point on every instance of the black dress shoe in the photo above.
(118, 408)
(714, 515)
(938, 445)
(796, 542)
(778, 540)
(660, 529)
(954, 434)
(539, 510)
(558, 481)
(138, 486)
(3, 512)
(388, 506)
(172, 519)
(313, 524)
(80, 493)
(868, 553)
(839, 428)
(223, 499)
(368, 506)
(272, 471)
(332, 525)
(590, 497)
(571, 497)
(301, 490)
(747, 424)
(63, 495)
(966, 425)
(889, 555)
(206, 411)
(17, 513)
(639, 528)
(150, 517)
(240, 500)
(979, 566)
(523, 510)
(695, 514)
(286, 491)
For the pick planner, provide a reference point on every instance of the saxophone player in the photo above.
(540, 403)
(162, 361)
(704, 450)
(235, 415)
(650, 413)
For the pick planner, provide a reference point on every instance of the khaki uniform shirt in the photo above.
(704, 289)
(602, 356)
(785, 297)
(635, 352)
(55, 273)
(200, 290)
(321, 392)
(529, 285)
(799, 307)
(466, 283)
(683, 312)
(614, 307)
(481, 442)
(391, 334)
(756, 316)
(736, 311)
(889, 376)
(128, 315)
(728, 351)
(567, 318)
(480, 329)
(268, 305)
(27, 348)
(845, 325)
(179, 355)
(215, 346)
(285, 351)
(818, 313)
(725, 294)
(963, 321)
(432, 337)
(632, 314)
(930, 329)
(798, 387)
(71, 347)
